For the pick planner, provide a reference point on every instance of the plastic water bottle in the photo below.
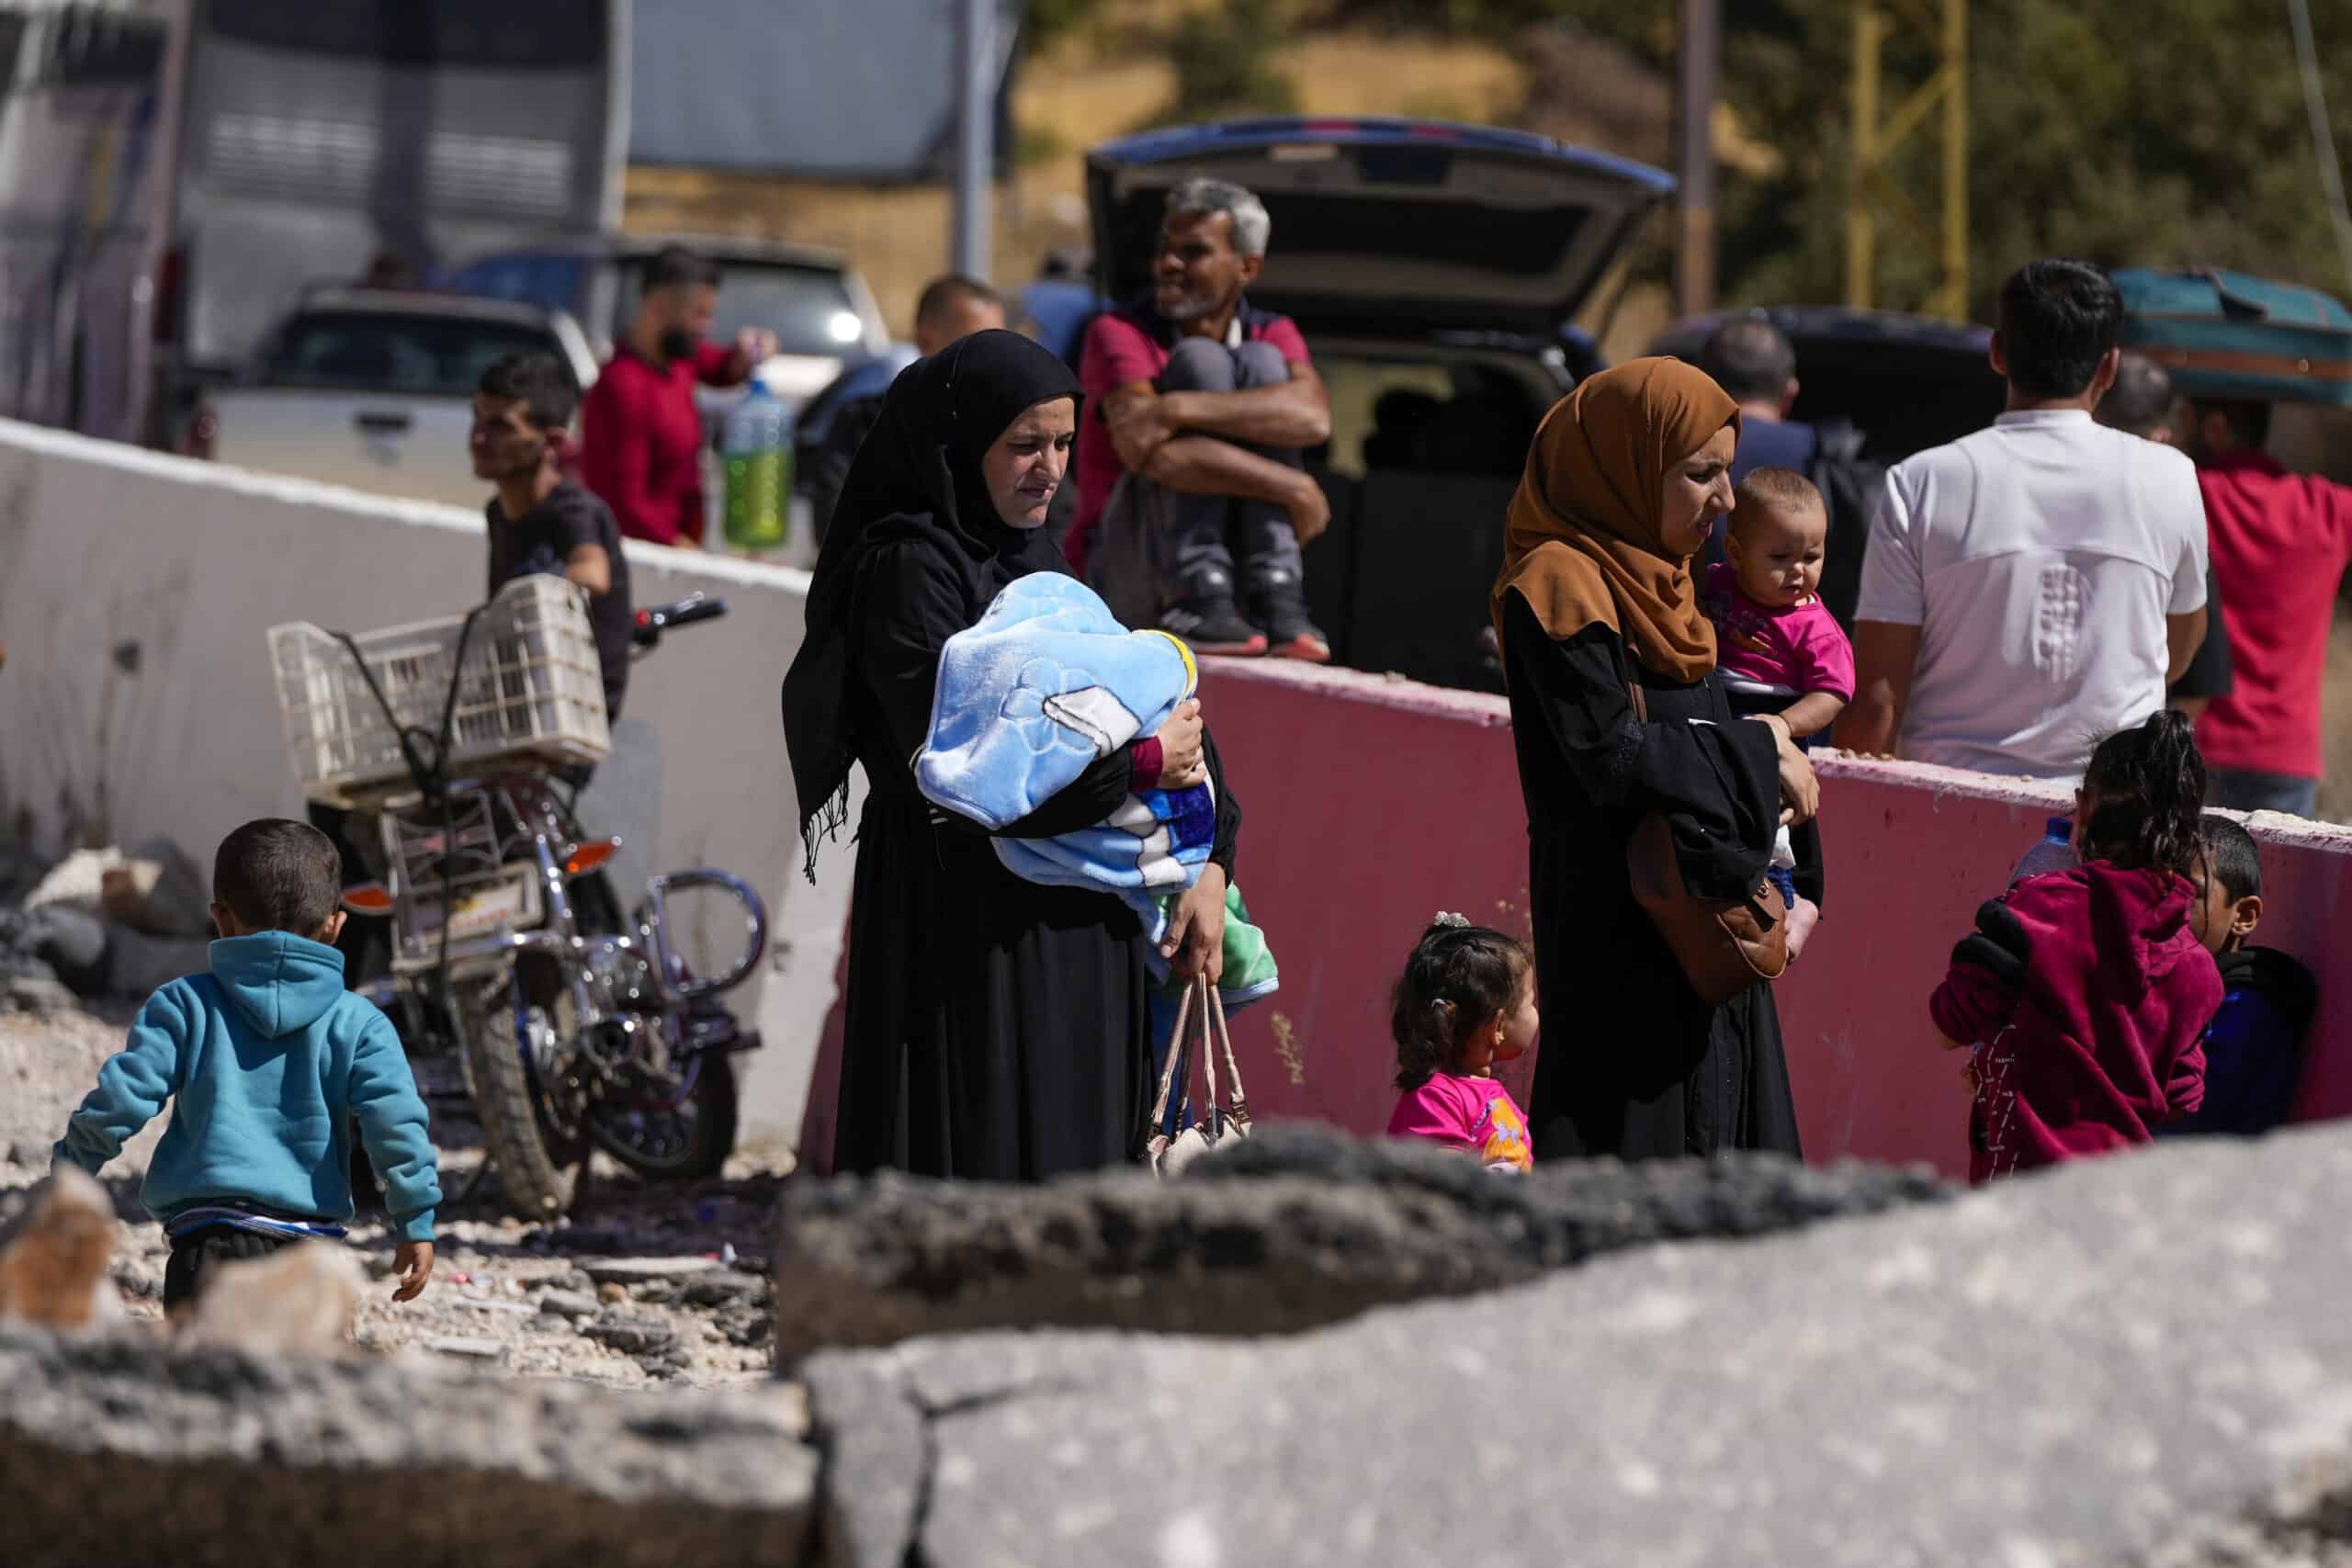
(2055, 851)
(756, 446)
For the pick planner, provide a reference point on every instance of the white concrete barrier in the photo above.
(136, 592)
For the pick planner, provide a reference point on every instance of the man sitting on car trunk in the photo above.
(1198, 408)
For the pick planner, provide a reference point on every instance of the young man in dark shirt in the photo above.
(540, 521)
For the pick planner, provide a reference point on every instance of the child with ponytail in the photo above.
(2089, 988)
(1466, 1001)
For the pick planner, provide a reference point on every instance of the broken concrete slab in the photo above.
(467, 1347)
(867, 1417)
(1299, 1227)
(560, 1303)
(634, 1335)
(645, 1271)
(124, 1452)
(724, 1287)
(2132, 1361)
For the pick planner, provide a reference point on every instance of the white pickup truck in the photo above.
(374, 389)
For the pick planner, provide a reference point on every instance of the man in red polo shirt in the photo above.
(1198, 407)
(641, 434)
(2281, 543)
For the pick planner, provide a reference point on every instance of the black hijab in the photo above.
(917, 477)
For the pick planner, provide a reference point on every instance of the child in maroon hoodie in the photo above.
(2088, 989)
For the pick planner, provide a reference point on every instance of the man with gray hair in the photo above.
(1192, 501)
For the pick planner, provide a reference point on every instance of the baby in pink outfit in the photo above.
(1777, 648)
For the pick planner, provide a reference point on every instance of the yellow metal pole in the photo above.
(1860, 222)
(1956, 159)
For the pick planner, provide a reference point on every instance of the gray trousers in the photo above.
(1155, 542)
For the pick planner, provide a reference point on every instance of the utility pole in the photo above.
(976, 138)
(1874, 198)
(1699, 68)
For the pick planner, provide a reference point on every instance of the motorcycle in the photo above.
(572, 1025)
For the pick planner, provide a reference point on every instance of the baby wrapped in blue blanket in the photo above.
(1040, 688)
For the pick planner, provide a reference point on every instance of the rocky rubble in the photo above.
(522, 1300)
(101, 922)
(1300, 1227)
(2143, 1360)
(126, 1452)
(2140, 1360)
(691, 1260)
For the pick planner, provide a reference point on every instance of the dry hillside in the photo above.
(1090, 88)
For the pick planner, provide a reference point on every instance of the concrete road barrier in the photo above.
(135, 591)
(136, 594)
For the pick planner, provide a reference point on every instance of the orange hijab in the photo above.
(1583, 546)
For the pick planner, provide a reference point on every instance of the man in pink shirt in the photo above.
(2280, 543)
(1198, 408)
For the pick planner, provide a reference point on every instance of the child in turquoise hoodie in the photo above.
(266, 1060)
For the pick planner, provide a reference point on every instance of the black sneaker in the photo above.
(1280, 602)
(1209, 619)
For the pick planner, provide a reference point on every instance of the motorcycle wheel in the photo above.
(537, 1165)
(685, 1140)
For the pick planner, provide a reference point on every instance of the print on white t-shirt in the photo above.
(2040, 560)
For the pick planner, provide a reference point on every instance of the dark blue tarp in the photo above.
(828, 89)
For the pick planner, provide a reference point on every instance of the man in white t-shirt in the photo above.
(2033, 587)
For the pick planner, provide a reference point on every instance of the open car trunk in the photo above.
(1426, 226)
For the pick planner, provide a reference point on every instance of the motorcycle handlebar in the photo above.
(652, 621)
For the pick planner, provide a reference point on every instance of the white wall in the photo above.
(181, 567)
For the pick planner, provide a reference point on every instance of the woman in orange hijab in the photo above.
(1626, 477)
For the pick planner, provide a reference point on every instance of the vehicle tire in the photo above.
(685, 1142)
(540, 1182)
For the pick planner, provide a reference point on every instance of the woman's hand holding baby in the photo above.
(1800, 791)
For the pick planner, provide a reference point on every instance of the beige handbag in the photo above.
(1170, 1155)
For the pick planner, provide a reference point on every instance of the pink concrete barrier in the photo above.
(1371, 803)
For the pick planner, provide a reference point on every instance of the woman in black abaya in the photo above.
(995, 1029)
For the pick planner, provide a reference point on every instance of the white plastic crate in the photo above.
(531, 690)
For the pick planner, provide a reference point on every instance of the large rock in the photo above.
(1300, 1227)
(54, 1269)
(127, 1453)
(301, 1300)
(2146, 1360)
(157, 889)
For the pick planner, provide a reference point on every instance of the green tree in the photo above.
(2147, 132)
(2130, 132)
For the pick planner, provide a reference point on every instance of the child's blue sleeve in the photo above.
(394, 1128)
(134, 1085)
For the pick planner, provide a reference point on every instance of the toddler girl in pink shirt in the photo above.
(1777, 648)
(1466, 1001)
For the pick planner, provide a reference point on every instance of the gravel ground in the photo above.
(641, 1284)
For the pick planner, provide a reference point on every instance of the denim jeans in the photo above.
(1204, 532)
(2246, 789)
